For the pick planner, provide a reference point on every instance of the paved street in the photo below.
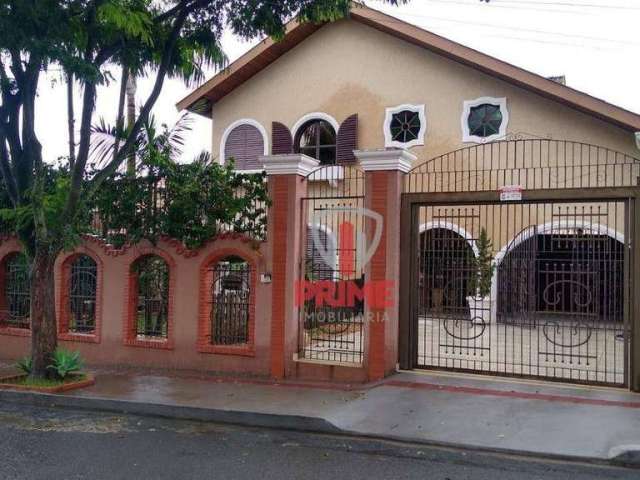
(47, 444)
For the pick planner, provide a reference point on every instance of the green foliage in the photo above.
(46, 382)
(24, 365)
(65, 362)
(480, 282)
(53, 185)
(86, 40)
(189, 202)
(134, 23)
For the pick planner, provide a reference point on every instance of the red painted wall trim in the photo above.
(129, 335)
(64, 277)
(204, 344)
(279, 219)
(378, 191)
(4, 329)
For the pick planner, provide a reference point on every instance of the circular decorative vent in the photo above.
(405, 126)
(485, 120)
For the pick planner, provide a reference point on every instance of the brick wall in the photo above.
(114, 341)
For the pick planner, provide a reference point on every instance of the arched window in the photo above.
(244, 141)
(83, 283)
(17, 299)
(317, 139)
(231, 301)
(151, 297)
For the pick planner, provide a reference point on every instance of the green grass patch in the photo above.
(45, 382)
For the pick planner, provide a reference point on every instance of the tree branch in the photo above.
(10, 112)
(71, 121)
(112, 166)
(172, 11)
(5, 169)
(77, 174)
(120, 116)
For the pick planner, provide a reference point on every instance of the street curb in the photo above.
(234, 417)
(618, 456)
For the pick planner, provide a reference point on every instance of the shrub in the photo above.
(25, 364)
(65, 363)
(483, 267)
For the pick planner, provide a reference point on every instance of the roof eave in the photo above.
(268, 51)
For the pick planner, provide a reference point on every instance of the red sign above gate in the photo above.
(510, 193)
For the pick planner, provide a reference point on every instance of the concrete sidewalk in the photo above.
(527, 418)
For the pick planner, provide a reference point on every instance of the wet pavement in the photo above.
(493, 414)
(52, 444)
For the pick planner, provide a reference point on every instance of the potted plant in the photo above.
(479, 285)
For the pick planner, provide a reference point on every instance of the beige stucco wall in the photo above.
(348, 67)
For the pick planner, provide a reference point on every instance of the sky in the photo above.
(594, 43)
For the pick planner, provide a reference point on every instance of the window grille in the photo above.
(82, 295)
(17, 291)
(231, 301)
(152, 306)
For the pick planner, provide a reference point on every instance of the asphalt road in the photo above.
(37, 443)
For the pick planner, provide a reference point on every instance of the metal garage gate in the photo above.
(513, 280)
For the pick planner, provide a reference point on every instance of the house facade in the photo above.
(432, 207)
(515, 193)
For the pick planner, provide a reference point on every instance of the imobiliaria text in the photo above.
(345, 295)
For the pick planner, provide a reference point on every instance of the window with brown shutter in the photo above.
(347, 140)
(245, 145)
(281, 139)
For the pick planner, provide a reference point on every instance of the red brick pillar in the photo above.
(286, 176)
(384, 173)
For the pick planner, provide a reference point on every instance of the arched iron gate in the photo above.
(535, 261)
(333, 231)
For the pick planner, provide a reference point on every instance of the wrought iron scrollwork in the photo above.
(153, 296)
(475, 326)
(17, 291)
(555, 333)
(231, 302)
(82, 294)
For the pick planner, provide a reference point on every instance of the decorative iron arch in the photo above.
(336, 181)
(531, 163)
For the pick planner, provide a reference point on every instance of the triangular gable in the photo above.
(268, 51)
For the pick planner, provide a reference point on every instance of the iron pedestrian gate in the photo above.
(333, 229)
(535, 284)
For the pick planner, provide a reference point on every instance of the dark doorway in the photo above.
(446, 265)
(562, 274)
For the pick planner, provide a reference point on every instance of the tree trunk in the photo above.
(71, 122)
(43, 313)
(132, 87)
(124, 82)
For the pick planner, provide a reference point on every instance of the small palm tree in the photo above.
(152, 145)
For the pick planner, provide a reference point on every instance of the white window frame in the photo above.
(314, 116)
(466, 110)
(231, 127)
(386, 126)
(335, 172)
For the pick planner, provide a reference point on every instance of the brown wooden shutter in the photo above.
(347, 140)
(281, 140)
(245, 145)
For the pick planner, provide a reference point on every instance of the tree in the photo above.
(89, 39)
(483, 267)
